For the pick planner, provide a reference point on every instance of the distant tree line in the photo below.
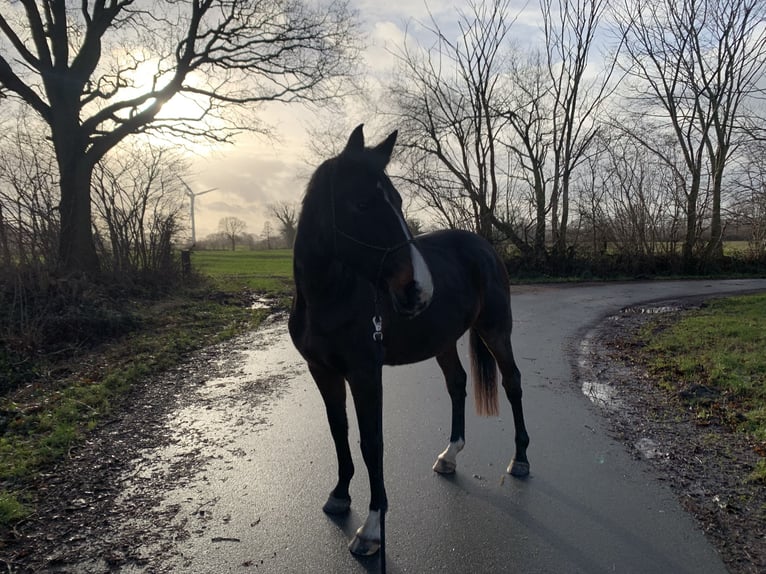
(231, 231)
(644, 156)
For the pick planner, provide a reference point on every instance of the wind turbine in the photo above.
(192, 195)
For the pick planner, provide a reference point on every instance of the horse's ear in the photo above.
(386, 147)
(355, 140)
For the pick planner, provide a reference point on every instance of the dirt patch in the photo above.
(102, 508)
(706, 466)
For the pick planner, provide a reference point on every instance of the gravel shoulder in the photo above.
(103, 509)
(705, 466)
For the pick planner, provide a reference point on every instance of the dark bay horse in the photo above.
(368, 293)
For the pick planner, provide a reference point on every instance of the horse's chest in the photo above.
(323, 339)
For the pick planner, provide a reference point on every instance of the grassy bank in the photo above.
(714, 360)
(59, 395)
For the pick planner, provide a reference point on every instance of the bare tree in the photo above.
(232, 228)
(28, 194)
(570, 28)
(642, 212)
(696, 64)
(287, 215)
(529, 109)
(138, 200)
(552, 108)
(749, 204)
(434, 189)
(97, 72)
(268, 233)
(445, 98)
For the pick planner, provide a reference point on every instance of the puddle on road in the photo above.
(596, 375)
(649, 449)
(600, 392)
(219, 411)
(263, 303)
(651, 310)
(233, 398)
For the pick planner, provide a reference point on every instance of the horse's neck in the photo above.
(319, 276)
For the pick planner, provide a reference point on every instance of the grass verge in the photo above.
(714, 360)
(60, 397)
(43, 419)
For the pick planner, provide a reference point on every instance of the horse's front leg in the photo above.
(332, 387)
(367, 390)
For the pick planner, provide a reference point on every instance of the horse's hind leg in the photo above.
(455, 377)
(499, 342)
(332, 387)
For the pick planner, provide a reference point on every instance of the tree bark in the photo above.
(77, 250)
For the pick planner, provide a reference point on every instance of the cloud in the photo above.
(257, 172)
(249, 176)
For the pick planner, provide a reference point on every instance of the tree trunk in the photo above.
(77, 250)
(4, 240)
(687, 254)
(540, 214)
(714, 251)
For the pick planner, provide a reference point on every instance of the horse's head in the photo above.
(367, 227)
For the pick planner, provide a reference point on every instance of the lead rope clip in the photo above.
(377, 335)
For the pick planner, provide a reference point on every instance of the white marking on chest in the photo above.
(421, 274)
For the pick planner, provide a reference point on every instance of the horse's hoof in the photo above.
(363, 546)
(337, 505)
(443, 466)
(518, 468)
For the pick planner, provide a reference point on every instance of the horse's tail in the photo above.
(484, 369)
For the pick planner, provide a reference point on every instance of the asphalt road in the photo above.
(586, 507)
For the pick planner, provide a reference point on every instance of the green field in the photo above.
(268, 271)
(720, 346)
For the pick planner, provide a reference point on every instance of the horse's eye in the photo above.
(363, 204)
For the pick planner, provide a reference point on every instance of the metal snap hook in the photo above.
(377, 335)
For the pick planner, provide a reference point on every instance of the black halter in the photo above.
(376, 320)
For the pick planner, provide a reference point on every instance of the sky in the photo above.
(257, 172)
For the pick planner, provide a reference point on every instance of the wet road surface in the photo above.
(254, 505)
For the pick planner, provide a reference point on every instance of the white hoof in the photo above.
(518, 469)
(446, 462)
(337, 505)
(443, 466)
(367, 539)
(363, 547)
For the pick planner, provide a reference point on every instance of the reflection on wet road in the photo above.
(256, 463)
